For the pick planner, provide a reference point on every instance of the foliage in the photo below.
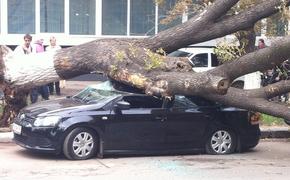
(268, 120)
(113, 69)
(132, 50)
(159, 2)
(154, 60)
(120, 55)
(137, 79)
(229, 51)
(182, 6)
(277, 25)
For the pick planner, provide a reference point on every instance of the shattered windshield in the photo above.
(93, 95)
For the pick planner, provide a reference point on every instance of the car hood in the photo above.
(52, 106)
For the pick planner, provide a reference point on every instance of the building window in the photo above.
(114, 17)
(21, 16)
(52, 16)
(163, 13)
(142, 18)
(82, 17)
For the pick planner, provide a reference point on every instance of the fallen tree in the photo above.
(142, 63)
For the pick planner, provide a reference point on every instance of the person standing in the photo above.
(53, 47)
(26, 48)
(20, 98)
(42, 90)
(261, 44)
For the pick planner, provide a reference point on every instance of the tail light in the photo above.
(254, 117)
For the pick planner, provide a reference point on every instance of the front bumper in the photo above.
(38, 139)
(34, 143)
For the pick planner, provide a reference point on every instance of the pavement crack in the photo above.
(103, 164)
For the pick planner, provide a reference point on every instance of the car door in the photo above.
(138, 128)
(186, 124)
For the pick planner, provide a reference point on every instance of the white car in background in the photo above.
(203, 59)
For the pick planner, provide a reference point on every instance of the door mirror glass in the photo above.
(123, 105)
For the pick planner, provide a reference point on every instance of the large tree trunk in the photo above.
(134, 62)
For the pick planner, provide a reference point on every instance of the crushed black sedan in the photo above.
(100, 121)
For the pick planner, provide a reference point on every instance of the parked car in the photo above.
(203, 59)
(100, 120)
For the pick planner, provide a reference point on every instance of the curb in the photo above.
(266, 133)
(275, 132)
(6, 137)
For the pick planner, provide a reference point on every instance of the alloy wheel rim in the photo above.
(83, 144)
(221, 142)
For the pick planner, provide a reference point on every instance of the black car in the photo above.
(100, 121)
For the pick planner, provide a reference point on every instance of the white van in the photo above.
(203, 59)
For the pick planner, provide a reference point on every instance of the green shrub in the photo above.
(268, 120)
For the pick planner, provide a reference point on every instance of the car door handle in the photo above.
(158, 117)
(161, 118)
(207, 116)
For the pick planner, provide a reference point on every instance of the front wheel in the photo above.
(80, 144)
(221, 142)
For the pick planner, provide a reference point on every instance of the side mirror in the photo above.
(123, 105)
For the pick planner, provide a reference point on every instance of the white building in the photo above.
(74, 22)
(77, 21)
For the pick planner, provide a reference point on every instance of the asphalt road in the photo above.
(269, 160)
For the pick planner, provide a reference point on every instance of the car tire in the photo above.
(80, 144)
(221, 141)
(287, 121)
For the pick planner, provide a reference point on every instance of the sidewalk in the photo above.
(72, 87)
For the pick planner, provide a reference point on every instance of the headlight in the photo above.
(48, 121)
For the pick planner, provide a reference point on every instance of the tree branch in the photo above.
(260, 60)
(271, 90)
(248, 99)
(218, 9)
(199, 29)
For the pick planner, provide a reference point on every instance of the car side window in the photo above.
(179, 54)
(214, 60)
(183, 102)
(200, 60)
(143, 101)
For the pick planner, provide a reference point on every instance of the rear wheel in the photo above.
(80, 144)
(287, 121)
(222, 141)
